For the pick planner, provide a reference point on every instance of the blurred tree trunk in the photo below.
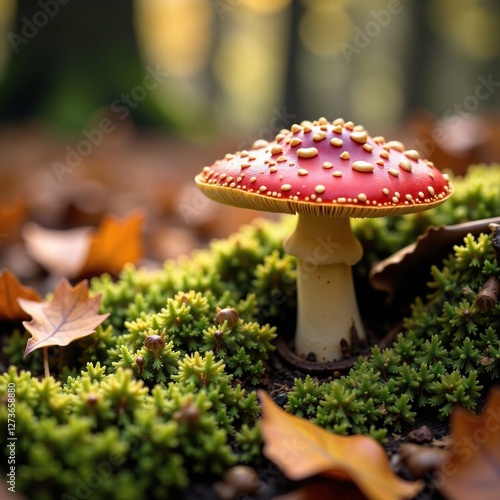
(421, 41)
(292, 99)
(70, 59)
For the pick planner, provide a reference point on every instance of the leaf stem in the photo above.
(46, 362)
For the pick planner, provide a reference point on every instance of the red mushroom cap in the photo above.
(334, 169)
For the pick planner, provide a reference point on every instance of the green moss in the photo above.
(127, 417)
(448, 351)
(250, 443)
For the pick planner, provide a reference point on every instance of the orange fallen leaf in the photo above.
(10, 290)
(302, 449)
(12, 215)
(116, 243)
(69, 315)
(473, 470)
(85, 251)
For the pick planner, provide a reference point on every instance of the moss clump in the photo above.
(448, 350)
(153, 401)
(189, 324)
(162, 395)
(111, 435)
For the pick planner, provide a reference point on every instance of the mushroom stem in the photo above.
(325, 249)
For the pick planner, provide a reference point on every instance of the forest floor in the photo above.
(40, 183)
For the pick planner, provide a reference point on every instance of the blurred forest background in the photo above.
(111, 105)
(229, 64)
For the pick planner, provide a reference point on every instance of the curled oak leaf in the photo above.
(84, 252)
(69, 315)
(302, 449)
(11, 290)
(473, 470)
(396, 275)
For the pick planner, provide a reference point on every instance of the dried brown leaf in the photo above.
(302, 449)
(69, 315)
(396, 274)
(84, 252)
(473, 471)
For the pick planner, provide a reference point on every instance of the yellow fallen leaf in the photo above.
(302, 449)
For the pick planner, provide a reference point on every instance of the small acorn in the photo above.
(154, 343)
(243, 479)
(227, 314)
(218, 335)
(140, 361)
(92, 399)
(189, 414)
(421, 460)
(487, 297)
(466, 314)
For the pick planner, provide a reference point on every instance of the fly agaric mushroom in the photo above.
(326, 172)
